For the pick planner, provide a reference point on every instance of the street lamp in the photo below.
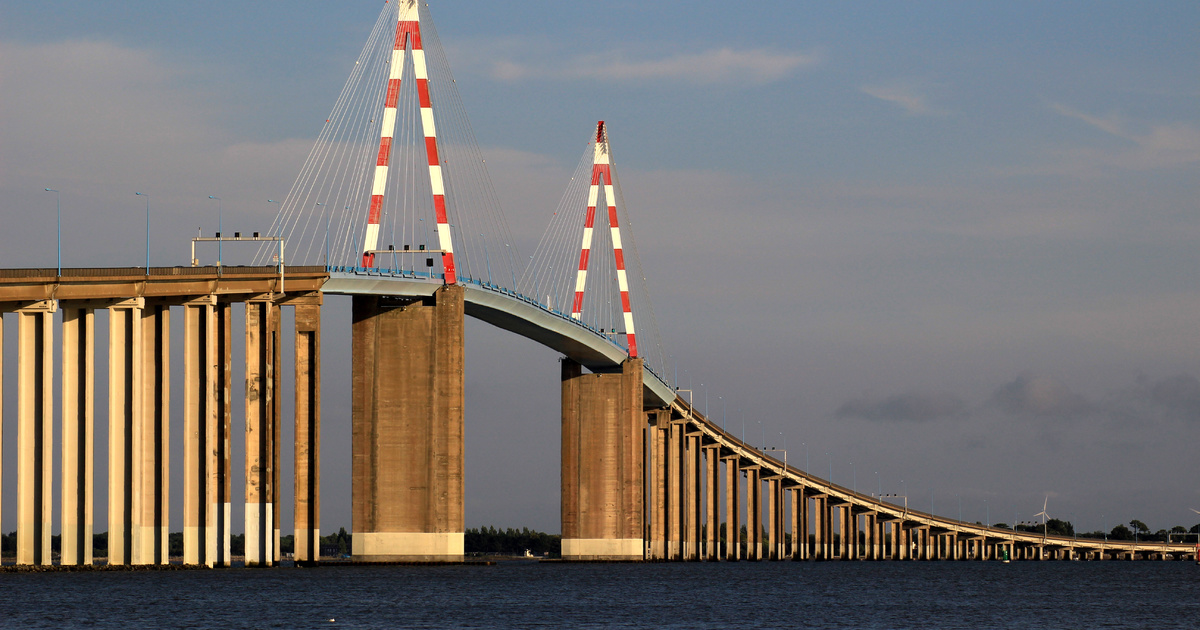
(219, 229)
(147, 230)
(58, 203)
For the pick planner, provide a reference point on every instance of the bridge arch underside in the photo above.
(644, 477)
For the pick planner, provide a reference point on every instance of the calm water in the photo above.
(521, 595)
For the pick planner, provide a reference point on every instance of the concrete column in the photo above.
(223, 435)
(124, 431)
(732, 509)
(820, 533)
(656, 470)
(602, 467)
(693, 496)
(676, 492)
(151, 524)
(260, 448)
(712, 484)
(754, 510)
(799, 524)
(307, 476)
(774, 508)
(407, 414)
(78, 434)
(200, 385)
(275, 419)
(35, 432)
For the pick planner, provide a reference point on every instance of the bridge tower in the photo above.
(408, 399)
(603, 421)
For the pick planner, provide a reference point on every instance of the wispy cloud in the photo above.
(1163, 145)
(909, 407)
(1042, 396)
(718, 65)
(907, 96)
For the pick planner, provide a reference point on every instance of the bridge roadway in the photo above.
(678, 466)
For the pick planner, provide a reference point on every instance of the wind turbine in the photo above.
(1045, 516)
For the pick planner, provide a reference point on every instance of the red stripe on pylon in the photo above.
(376, 209)
(431, 151)
(583, 259)
(393, 93)
(423, 92)
(385, 151)
(439, 207)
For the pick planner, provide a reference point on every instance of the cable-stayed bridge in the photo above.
(395, 209)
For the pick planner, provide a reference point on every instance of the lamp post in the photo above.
(58, 203)
(220, 233)
(147, 230)
(487, 258)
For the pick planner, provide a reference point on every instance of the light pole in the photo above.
(220, 234)
(487, 258)
(147, 230)
(58, 203)
(878, 483)
(853, 478)
(722, 399)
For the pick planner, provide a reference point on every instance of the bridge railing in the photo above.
(487, 286)
(870, 501)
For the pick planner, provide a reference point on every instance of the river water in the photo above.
(973, 595)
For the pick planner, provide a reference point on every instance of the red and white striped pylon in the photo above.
(602, 168)
(408, 30)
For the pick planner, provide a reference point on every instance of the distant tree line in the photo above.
(490, 540)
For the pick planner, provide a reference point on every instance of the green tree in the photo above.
(1138, 526)
(1120, 532)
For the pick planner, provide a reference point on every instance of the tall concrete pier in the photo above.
(407, 413)
(602, 463)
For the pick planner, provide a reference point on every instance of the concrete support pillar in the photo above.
(712, 509)
(754, 510)
(692, 496)
(799, 550)
(275, 416)
(656, 471)
(223, 437)
(35, 432)
(151, 524)
(408, 427)
(602, 467)
(774, 509)
(201, 511)
(78, 434)
(676, 492)
(125, 362)
(733, 507)
(260, 434)
(307, 459)
(820, 528)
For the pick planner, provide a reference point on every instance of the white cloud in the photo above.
(718, 65)
(907, 96)
(1163, 145)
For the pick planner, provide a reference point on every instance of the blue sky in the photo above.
(951, 242)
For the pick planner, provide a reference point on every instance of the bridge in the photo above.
(645, 475)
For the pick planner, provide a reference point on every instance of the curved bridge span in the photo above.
(645, 476)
